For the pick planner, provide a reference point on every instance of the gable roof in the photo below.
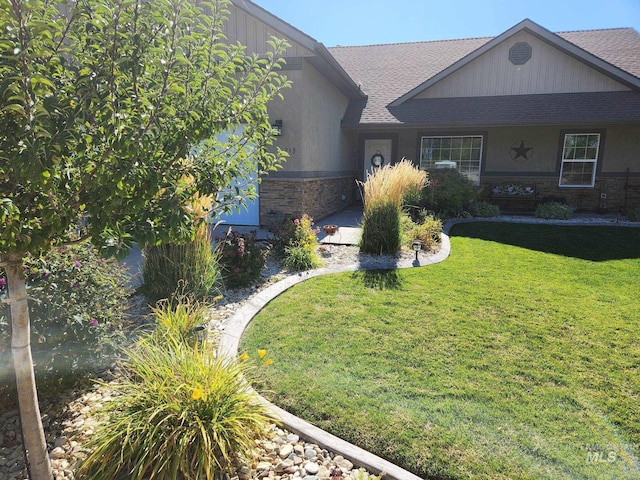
(527, 25)
(321, 59)
(391, 75)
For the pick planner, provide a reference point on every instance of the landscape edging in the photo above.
(237, 324)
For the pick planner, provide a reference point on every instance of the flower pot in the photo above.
(330, 229)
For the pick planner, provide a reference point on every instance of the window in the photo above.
(579, 159)
(462, 153)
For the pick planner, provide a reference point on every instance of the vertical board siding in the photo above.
(254, 34)
(548, 71)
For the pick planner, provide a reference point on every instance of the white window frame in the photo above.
(573, 155)
(428, 163)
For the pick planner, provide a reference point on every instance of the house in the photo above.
(318, 177)
(556, 111)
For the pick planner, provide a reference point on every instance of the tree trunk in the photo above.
(37, 457)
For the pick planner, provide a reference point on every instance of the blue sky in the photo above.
(364, 22)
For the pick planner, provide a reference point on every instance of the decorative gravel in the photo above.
(69, 419)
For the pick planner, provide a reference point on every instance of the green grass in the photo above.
(515, 358)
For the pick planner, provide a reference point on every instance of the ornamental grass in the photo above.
(178, 413)
(180, 319)
(384, 193)
(180, 269)
(392, 184)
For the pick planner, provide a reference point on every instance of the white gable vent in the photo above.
(520, 53)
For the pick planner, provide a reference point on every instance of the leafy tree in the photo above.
(109, 111)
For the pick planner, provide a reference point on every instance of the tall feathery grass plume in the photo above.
(384, 192)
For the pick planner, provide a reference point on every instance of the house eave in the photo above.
(595, 108)
(330, 68)
(322, 60)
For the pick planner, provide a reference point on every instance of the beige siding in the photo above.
(543, 158)
(311, 114)
(323, 108)
(292, 127)
(622, 149)
(548, 71)
(254, 34)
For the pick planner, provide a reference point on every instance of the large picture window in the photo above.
(579, 159)
(460, 152)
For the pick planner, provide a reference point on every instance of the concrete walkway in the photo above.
(348, 222)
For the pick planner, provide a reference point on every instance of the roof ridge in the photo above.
(597, 30)
(411, 43)
(417, 42)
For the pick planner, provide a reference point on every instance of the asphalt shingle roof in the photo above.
(387, 72)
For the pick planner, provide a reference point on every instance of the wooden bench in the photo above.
(514, 197)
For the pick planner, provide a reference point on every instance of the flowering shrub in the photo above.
(240, 258)
(295, 241)
(78, 302)
(283, 236)
(514, 189)
(300, 253)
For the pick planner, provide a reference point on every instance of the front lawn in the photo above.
(517, 357)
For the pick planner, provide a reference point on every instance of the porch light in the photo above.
(277, 128)
(417, 246)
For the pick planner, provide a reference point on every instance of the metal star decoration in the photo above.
(523, 150)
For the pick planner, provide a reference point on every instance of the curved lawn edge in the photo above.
(235, 327)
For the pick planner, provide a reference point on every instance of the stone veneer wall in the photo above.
(582, 198)
(318, 197)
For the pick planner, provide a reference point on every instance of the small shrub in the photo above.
(554, 210)
(381, 233)
(180, 413)
(633, 215)
(301, 244)
(283, 236)
(171, 270)
(240, 258)
(449, 193)
(428, 231)
(79, 301)
(484, 209)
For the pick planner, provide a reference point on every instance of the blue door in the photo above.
(243, 215)
(249, 214)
